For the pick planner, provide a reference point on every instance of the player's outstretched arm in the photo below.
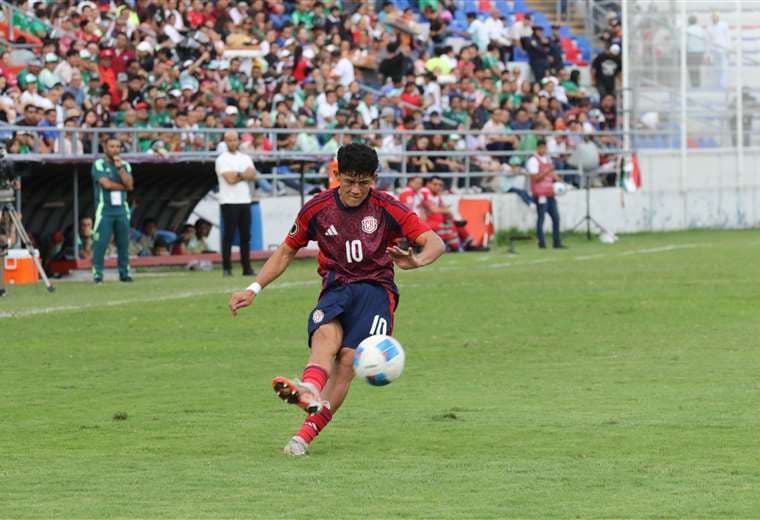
(432, 247)
(273, 268)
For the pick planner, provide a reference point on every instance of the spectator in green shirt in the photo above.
(457, 111)
(160, 116)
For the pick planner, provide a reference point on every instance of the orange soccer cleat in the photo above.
(304, 395)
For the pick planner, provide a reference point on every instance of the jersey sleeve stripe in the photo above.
(316, 204)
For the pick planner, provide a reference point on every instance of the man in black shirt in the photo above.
(605, 69)
(397, 64)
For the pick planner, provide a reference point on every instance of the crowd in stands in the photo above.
(190, 65)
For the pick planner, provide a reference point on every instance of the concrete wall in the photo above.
(715, 196)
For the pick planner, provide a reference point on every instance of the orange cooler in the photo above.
(19, 267)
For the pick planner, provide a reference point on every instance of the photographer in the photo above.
(112, 179)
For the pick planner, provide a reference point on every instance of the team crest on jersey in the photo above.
(317, 316)
(369, 224)
(294, 230)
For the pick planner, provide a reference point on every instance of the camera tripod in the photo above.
(7, 208)
(587, 218)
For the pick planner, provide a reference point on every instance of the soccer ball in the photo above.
(560, 188)
(379, 360)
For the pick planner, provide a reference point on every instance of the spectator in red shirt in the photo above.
(412, 96)
(122, 53)
(108, 76)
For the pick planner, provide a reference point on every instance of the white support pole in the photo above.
(684, 79)
(740, 130)
(627, 92)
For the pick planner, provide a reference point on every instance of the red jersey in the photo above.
(352, 241)
(427, 200)
(412, 199)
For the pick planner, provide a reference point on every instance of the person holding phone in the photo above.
(112, 179)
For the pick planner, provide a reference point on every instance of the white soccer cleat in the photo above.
(296, 447)
(303, 395)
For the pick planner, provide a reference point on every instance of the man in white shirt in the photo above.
(235, 171)
(368, 110)
(497, 31)
(477, 31)
(522, 29)
(344, 69)
(326, 111)
(66, 68)
(720, 44)
(542, 179)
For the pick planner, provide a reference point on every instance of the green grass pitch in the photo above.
(596, 382)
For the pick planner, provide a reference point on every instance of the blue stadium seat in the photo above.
(470, 6)
(520, 55)
(459, 25)
(504, 9)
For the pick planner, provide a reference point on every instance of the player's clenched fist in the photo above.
(240, 299)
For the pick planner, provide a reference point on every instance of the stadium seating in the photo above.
(145, 70)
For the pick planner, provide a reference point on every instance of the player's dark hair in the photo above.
(357, 160)
(435, 178)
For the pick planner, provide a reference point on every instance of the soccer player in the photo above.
(438, 215)
(357, 229)
(411, 195)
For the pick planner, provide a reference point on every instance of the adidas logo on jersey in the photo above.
(331, 232)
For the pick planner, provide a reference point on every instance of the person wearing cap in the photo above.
(160, 116)
(134, 90)
(108, 75)
(48, 77)
(112, 179)
(34, 67)
(536, 46)
(144, 55)
(605, 70)
(31, 96)
(556, 58)
(235, 171)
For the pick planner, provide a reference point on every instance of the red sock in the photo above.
(314, 424)
(315, 375)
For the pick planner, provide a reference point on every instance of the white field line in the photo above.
(127, 301)
(307, 283)
(499, 265)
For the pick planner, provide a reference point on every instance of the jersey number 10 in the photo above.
(354, 251)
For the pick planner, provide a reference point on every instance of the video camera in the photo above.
(8, 178)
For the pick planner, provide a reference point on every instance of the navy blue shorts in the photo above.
(363, 310)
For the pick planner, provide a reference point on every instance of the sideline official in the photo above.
(235, 171)
(112, 179)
